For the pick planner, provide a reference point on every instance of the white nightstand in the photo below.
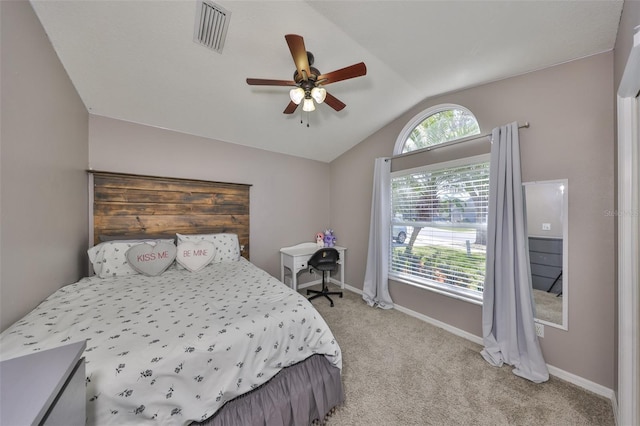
(295, 259)
(46, 387)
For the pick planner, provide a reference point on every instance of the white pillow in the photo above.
(195, 255)
(109, 258)
(151, 259)
(95, 257)
(227, 245)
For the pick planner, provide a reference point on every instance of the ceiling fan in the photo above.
(308, 81)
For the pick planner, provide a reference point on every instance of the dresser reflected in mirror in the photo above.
(547, 212)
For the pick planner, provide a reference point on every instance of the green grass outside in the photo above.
(442, 264)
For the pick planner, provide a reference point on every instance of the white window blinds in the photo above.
(442, 209)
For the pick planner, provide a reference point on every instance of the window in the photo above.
(438, 125)
(442, 210)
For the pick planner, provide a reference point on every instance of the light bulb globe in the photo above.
(296, 95)
(319, 94)
(308, 105)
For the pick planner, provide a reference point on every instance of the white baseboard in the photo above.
(614, 403)
(350, 288)
(583, 383)
(309, 284)
(451, 329)
(554, 371)
(332, 281)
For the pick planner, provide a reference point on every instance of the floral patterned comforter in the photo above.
(173, 349)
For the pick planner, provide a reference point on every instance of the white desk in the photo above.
(295, 259)
(44, 388)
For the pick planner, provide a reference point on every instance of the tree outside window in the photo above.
(443, 208)
(440, 127)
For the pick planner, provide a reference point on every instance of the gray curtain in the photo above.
(508, 328)
(376, 279)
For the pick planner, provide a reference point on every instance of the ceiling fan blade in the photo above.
(290, 108)
(334, 102)
(267, 82)
(356, 70)
(299, 54)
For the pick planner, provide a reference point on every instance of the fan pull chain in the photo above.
(302, 119)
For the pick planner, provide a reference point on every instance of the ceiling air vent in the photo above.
(212, 22)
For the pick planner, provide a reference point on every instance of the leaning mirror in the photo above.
(547, 212)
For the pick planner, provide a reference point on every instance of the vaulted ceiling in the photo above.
(137, 60)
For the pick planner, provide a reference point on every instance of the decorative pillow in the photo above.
(227, 245)
(195, 255)
(151, 259)
(109, 258)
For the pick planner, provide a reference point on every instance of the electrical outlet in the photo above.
(539, 330)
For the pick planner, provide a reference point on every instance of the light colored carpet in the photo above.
(399, 370)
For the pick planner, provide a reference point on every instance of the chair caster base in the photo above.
(324, 292)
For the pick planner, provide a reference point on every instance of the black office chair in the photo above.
(325, 260)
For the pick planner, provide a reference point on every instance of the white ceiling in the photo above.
(137, 61)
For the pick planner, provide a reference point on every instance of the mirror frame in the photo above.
(565, 252)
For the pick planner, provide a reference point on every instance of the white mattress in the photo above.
(173, 349)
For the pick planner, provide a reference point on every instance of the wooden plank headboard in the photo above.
(126, 205)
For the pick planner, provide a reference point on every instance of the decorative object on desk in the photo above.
(324, 260)
(329, 238)
(320, 239)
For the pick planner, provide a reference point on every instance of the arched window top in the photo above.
(436, 125)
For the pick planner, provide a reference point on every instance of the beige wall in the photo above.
(570, 109)
(43, 157)
(289, 195)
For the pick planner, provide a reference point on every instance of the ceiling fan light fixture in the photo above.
(308, 105)
(318, 94)
(308, 81)
(296, 95)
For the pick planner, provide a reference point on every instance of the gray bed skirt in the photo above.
(297, 395)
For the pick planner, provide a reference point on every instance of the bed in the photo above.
(182, 342)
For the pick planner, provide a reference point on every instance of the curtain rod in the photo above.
(442, 145)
